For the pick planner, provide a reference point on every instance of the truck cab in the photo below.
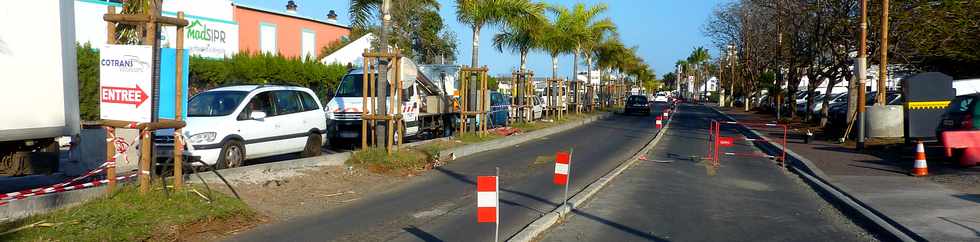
(425, 106)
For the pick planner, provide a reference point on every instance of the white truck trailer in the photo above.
(39, 84)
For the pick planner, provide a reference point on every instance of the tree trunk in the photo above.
(575, 84)
(476, 46)
(554, 66)
(523, 60)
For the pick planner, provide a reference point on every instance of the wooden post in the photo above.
(110, 146)
(483, 103)
(883, 50)
(178, 107)
(144, 166)
(364, 107)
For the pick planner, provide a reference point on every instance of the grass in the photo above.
(129, 216)
(400, 162)
(411, 160)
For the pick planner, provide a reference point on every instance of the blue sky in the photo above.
(664, 31)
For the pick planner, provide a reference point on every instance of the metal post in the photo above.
(496, 226)
(862, 74)
(569, 179)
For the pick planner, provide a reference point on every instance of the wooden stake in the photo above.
(178, 106)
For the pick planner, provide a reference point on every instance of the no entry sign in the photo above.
(125, 82)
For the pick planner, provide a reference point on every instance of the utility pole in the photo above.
(381, 129)
(862, 74)
(883, 65)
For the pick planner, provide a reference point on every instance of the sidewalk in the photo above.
(942, 207)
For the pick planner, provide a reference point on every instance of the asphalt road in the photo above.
(745, 199)
(441, 204)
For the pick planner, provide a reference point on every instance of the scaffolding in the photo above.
(522, 97)
(555, 104)
(469, 96)
(370, 110)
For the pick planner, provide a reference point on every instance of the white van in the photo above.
(226, 126)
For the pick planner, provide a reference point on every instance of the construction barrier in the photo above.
(717, 142)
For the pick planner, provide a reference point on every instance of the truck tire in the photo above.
(232, 155)
(314, 145)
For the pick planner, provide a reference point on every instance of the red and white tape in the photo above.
(101, 168)
(66, 188)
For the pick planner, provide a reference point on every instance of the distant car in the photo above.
(637, 104)
(660, 97)
(227, 125)
(961, 114)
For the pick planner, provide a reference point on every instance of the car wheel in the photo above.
(232, 155)
(314, 145)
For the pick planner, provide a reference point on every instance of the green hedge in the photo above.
(206, 73)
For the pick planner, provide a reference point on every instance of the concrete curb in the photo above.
(546, 221)
(811, 173)
(46, 203)
(270, 171)
(259, 173)
(515, 139)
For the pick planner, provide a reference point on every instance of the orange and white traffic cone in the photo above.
(921, 167)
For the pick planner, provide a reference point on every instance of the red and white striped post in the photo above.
(488, 201)
(660, 122)
(563, 168)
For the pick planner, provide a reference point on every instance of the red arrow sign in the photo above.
(124, 95)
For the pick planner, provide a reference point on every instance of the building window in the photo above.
(267, 38)
(308, 43)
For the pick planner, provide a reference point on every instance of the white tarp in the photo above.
(352, 53)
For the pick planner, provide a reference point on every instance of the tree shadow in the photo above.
(421, 234)
(622, 227)
(969, 197)
(975, 231)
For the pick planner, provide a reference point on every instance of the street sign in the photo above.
(561, 168)
(125, 82)
(486, 199)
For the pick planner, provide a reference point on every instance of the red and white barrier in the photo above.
(562, 168)
(660, 122)
(486, 199)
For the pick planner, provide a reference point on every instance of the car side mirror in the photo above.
(257, 115)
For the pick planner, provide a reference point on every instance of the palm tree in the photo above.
(364, 12)
(480, 13)
(584, 29)
(521, 36)
(554, 40)
(699, 58)
(608, 54)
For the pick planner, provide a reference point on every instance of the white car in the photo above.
(226, 126)
(660, 97)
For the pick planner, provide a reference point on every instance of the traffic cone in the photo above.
(921, 167)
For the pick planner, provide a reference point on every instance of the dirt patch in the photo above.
(313, 191)
(212, 230)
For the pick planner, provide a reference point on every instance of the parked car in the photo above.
(837, 114)
(834, 98)
(963, 113)
(538, 109)
(227, 125)
(637, 104)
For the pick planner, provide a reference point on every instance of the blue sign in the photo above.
(168, 67)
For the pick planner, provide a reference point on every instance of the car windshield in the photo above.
(637, 99)
(215, 103)
(351, 86)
